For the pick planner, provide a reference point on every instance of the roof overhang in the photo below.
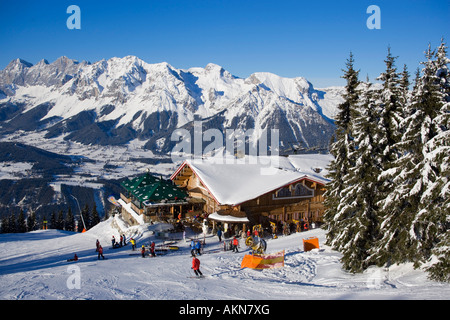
(227, 218)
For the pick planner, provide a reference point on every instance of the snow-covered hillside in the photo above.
(34, 266)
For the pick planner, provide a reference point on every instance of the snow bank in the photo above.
(127, 206)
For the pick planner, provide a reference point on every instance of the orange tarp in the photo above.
(310, 243)
(263, 261)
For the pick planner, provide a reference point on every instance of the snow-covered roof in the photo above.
(227, 218)
(235, 181)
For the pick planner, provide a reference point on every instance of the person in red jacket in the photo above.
(75, 258)
(196, 266)
(235, 244)
(100, 252)
(152, 249)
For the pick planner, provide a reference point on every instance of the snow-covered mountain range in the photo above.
(111, 102)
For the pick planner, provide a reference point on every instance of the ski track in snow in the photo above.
(34, 266)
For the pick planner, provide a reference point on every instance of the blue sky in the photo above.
(290, 38)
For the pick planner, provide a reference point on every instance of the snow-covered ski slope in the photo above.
(34, 266)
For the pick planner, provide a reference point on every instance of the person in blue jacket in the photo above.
(198, 247)
(192, 247)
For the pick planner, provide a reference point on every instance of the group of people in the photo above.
(232, 245)
(152, 250)
(196, 247)
(99, 250)
(122, 241)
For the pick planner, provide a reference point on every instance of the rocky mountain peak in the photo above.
(116, 100)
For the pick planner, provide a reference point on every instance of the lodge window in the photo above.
(294, 191)
(283, 193)
(301, 190)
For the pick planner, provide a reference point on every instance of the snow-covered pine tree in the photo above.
(427, 103)
(95, 216)
(439, 196)
(396, 209)
(21, 222)
(52, 221)
(69, 221)
(359, 199)
(405, 95)
(435, 204)
(413, 213)
(390, 111)
(392, 208)
(60, 221)
(12, 225)
(31, 221)
(341, 149)
(4, 225)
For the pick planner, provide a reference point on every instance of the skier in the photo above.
(219, 234)
(113, 241)
(198, 247)
(100, 253)
(306, 225)
(152, 249)
(124, 240)
(143, 251)
(121, 241)
(235, 244)
(133, 244)
(97, 244)
(196, 266)
(192, 247)
(75, 258)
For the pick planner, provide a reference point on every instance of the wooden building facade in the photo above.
(300, 200)
(287, 197)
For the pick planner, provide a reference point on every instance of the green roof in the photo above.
(134, 183)
(152, 189)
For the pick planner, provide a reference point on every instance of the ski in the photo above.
(212, 251)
